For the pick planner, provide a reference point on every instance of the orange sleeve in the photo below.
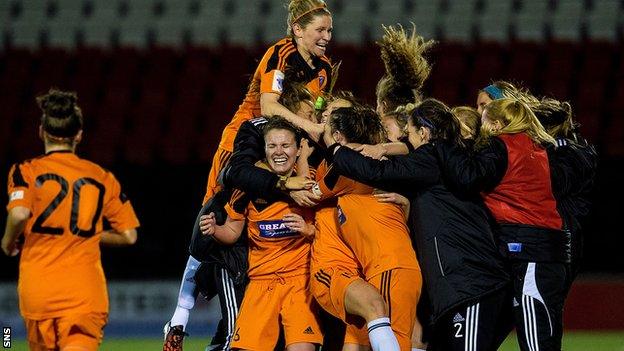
(332, 185)
(273, 66)
(236, 208)
(19, 187)
(118, 210)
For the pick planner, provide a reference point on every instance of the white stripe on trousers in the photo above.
(530, 323)
(472, 328)
(231, 305)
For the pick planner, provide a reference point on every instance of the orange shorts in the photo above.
(400, 288)
(328, 286)
(220, 159)
(80, 332)
(269, 302)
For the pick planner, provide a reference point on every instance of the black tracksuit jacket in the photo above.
(482, 171)
(452, 234)
(573, 173)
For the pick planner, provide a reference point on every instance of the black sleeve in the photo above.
(202, 246)
(403, 174)
(473, 171)
(573, 169)
(241, 172)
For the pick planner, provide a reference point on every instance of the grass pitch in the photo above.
(572, 341)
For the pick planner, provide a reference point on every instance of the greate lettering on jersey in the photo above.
(275, 229)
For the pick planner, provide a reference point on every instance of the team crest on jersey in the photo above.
(321, 80)
(341, 216)
(16, 195)
(275, 229)
(278, 81)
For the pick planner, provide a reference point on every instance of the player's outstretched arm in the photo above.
(115, 238)
(16, 222)
(269, 105)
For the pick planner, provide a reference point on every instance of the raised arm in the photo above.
(269, 105)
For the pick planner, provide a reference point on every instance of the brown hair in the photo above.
(556, 116)
(399, 115)
(406, 68)
(303, 12)
(279, 122)
(358, 124)
(469, 119)
(347, 96)
(61, 117)
(437, 117)
(293, 95)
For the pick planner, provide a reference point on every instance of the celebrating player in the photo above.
(57, 202)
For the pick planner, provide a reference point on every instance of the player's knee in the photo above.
(376, 308)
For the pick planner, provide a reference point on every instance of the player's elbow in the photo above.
(225, 239)
(130, 235)
(19, 214)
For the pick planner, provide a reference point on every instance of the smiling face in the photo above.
(312, 39)
(281, 150)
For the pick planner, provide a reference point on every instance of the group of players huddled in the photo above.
(409, 227)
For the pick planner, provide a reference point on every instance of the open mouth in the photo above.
(280, 160)
(321, 46)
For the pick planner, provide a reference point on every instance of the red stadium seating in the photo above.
(145, 105)
(525, 64)
(560, 64)
(489, 63)
(449, 69)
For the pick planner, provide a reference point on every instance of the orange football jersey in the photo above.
(375, 231)
(279, 60)
(60, 268)
(274, 249)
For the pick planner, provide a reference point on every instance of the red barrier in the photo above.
(595, 305)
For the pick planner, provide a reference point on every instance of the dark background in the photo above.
(154, 118)
(159, 79)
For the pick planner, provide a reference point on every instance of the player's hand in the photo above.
(392, 198)
(207, 224)
(296, 222)
(306, 149)
(9, 248)
(304, 198)
(299, 183)
(373, 151)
